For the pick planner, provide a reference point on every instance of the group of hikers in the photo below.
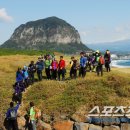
(54, 71)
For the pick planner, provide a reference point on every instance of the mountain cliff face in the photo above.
(51, 34)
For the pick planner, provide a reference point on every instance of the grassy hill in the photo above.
(65, 97)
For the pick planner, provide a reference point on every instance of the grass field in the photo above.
(68, 96)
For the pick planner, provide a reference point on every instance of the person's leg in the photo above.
(9, 127)
(59, 73)
(84, 71)
(46, 70)
(33, 125)
(97, 70)
(90, 68)
(80, 72)
(71, 73)
(38, 74)
(41, 74)
(101, 70)
(109, 67)
(55, 74)
(49, 73)
(26, 80)
(63, 74)
(75, 73)
(32, 77)
(15, 125)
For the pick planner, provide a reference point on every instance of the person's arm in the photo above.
(64, 64)
(8, 113)
(17, 107)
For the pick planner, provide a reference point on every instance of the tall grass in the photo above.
(68, 96)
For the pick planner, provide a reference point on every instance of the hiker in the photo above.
(54, 65)
(83, 62)
(61, 69)
(26, 75)
(107, 58)
(73, 70)
(89, 62)
(100, 63)
(11, 116)
(39, 68)
(31, 70)
(19, 75)
(19, 87)
(48, 66)
(32, 113)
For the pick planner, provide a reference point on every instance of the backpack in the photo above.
(37, 113)
(101, 60)
(13, 114)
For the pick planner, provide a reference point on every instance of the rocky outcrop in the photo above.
(95, 127)
(63, 125)
(111, 128)
(125, 126)
(43, 126)
(51, 33)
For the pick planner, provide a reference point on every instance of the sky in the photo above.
(96, 20)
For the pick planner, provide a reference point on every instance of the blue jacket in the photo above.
(9, 110)
(25, 74)
(19, 77)
(83, 61)
(40, 65)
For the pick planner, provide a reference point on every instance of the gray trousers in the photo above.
(33, 123)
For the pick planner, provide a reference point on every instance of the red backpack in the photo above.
(101, 60)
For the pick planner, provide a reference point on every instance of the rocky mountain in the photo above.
(50, 34)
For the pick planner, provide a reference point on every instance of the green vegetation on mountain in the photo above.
(46, 34)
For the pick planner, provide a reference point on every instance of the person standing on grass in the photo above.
(73, 70)
(32, 70)
(48, 67)
(54, 65)
(32, 113)
(19, 75)
(26, 75)
(39, 68)
(11, 117)
(100, 61)
(107, 58)
(83, 63)
(61, 69)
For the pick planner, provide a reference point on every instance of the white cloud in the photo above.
(4, 16)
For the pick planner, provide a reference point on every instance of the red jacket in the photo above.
(61, 64)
